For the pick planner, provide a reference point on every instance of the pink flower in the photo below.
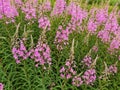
(62, 69)
(68, 76)
(112, 24)
(114, 44)
(87, 61)
(59, 7)
(29, 10)
(7, 10)
(61, 38)
(104, 35)
(113, 69)
(62, 75)
(19, 52)
(68, 70)
(22, 46)
(18, 3)
(1, 86)
(77, 81)
(68, 63)
(101, 15)
(46, 6)
(18, 61)
(92, 26)
(44, 23)
(89, 76)
(41, 54)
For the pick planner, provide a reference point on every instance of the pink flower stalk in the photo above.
(30, 53)
(77, 16)
(18, 3)
(112, 23)
(30, 10)
(92, 26)
(59, 7)
(1, 86)
(76, 12)
(61, 38)
(115, 41)
(112, 69)
(71, 26)
(89, 76)
(87, 61)
(41, 54)
(45, 7)
(101, 15)
(7, 10)
(44, 23)
(19, 52)
(77, 81)
(68, 71)
(104, 35)
(114, 45)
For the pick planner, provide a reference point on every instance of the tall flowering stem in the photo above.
(61, 38)
(59, 7)
(18, 48)
(7, 11)
(41, 52)
(67, 71)
(111, 70)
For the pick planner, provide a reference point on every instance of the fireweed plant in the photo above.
(59, 45)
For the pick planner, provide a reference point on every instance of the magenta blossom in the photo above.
(44, 23)
(89, 76)
(77, 81)
(1, 86)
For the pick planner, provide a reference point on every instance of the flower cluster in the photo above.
(19, 51)
(114, 45)
(30, 10)
(77, 16)
(112, 69)
(1, 86)
(18, 3)
(42, 55)
(92, 26)
(44, 23)
(68, 71)
(59, 7)
(89, 76)
(104, 36)
(87, 61)
(76, 12)
(77, 81)
(111, 25)
(61, 38)
(45, 7)
(101, 16)
(7, 10)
